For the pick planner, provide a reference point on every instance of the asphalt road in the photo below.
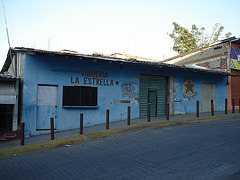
(208, 150)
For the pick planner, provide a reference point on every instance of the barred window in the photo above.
(79, 96)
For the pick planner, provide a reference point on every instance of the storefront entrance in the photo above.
(153, 89)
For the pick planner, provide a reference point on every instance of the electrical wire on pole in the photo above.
(10, 51)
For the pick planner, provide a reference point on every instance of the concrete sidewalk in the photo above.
(66, 138)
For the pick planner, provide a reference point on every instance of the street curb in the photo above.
(87, 137)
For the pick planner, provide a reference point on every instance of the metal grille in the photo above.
(79, 96)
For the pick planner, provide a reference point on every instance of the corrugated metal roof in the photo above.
(8, 77)
(104, 58)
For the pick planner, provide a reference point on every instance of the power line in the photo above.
(6, 23)
(7, 33)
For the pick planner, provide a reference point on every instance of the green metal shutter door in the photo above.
(162, 95)
(154, 83)
(143, 96)
(152, 98)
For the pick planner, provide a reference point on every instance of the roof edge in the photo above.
(32, 51)
(231, 39)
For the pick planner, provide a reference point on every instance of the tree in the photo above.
(185, 41)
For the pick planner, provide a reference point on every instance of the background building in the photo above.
(223, 56)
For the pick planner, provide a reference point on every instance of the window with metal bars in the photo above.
(79, 96)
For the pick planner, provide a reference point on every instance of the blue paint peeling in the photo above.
(118, 88)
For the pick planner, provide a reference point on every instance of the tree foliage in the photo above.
(185, 40)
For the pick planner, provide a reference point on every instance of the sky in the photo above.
(135, 27)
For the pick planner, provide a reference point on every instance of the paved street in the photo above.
(208, 150)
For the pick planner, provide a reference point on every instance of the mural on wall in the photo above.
(128, 89)
(235, 56)
(129, 92)
(189, 88)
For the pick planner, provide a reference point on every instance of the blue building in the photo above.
(64, 84)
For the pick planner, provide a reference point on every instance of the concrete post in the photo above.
(149, 113)
(52, 128)
(81, 123)
(129, 113)
(212, 108)
(226, 106)
(167, 113)
(22, 133)
(107, 119)
(197, 109)
(233, 106)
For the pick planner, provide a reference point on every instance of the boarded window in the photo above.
(47, 95)
(79, 96)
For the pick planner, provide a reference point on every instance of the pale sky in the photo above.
(136, 27)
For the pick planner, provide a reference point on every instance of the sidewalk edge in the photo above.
(86, 137)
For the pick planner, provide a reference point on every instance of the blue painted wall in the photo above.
(112, 90)
(185, 104)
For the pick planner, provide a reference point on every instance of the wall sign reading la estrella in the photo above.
(91, 77)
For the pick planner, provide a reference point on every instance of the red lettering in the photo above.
(111, 83)
(89, 81)
(105, 75)
(85, 80)
(93, 77)
(71, 80)
(82, 73)
(97, 81)
(93, 80)
(77, 80)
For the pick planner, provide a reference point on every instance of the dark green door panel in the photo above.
(157, 84)
(152, 99)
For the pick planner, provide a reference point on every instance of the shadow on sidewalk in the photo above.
(101, 127)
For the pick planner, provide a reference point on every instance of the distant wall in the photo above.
(215, 57)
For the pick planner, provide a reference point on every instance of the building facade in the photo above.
(63, 85)
(9, 93)
(223, 56)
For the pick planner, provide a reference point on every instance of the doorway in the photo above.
(208, 93)
(153, 89)
(152, 99)
(46, 106)
(6, 111)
